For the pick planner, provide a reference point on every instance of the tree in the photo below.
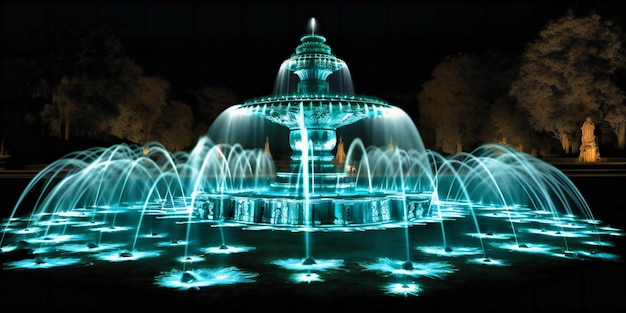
(176, 122)
(58, 114)
(455, 103)
(509, 125)
(568, 74)
(82, 74)
(615, 117)
(141, 110)
(209, 102)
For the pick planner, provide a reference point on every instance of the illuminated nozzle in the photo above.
(187, 277)
(309, 261)
(407, 266)
(523, 245)
(223, 247)
(125, 254)
(448, 249)
(39, 260)
(92, 245)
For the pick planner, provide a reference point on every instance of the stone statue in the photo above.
(340, 157)
(587, 129)
(267, 146)
(588, 148)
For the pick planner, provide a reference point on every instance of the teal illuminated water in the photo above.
(491, 207)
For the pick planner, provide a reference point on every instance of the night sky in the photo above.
(390, 47)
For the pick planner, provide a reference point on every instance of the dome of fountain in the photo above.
(313, 90)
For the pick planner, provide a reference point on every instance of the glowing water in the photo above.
(134, 203)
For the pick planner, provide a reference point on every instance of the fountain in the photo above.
(129, 203)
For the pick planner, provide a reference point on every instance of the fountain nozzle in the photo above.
(408, 265)
(309, 261)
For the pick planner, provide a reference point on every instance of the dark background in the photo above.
(391, 47)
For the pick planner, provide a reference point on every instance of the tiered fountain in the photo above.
(315, 192)
(108, 204)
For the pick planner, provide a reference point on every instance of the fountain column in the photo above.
(320, 156)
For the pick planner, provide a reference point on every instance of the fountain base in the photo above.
(323, 211)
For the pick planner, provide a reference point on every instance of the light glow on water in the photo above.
(302, 265)
(190, 259)
(227, 249)
(58, 222)
(123, 256)
(204, 277)
(498, 236)
(13, 222)
(8, 248)
(89, 224)
(538, 248)
(389, 266)
(555, 233)
(611, 230)
(110, 229)
(24, 231)
(403, 289)
(73, 214)
(174, 243)
(57, 238)
(450, 252)
(306, 277)
(600, 255)
(488, 262)
(41, 263)
(599, 243)
(90, 248)
(153, 235)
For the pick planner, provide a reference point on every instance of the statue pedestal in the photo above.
(589, 154)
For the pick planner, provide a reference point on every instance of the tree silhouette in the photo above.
(455, 104)
(141, 110)
(81, 81)
(449, 105)
(175, 126)
(208, 103)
